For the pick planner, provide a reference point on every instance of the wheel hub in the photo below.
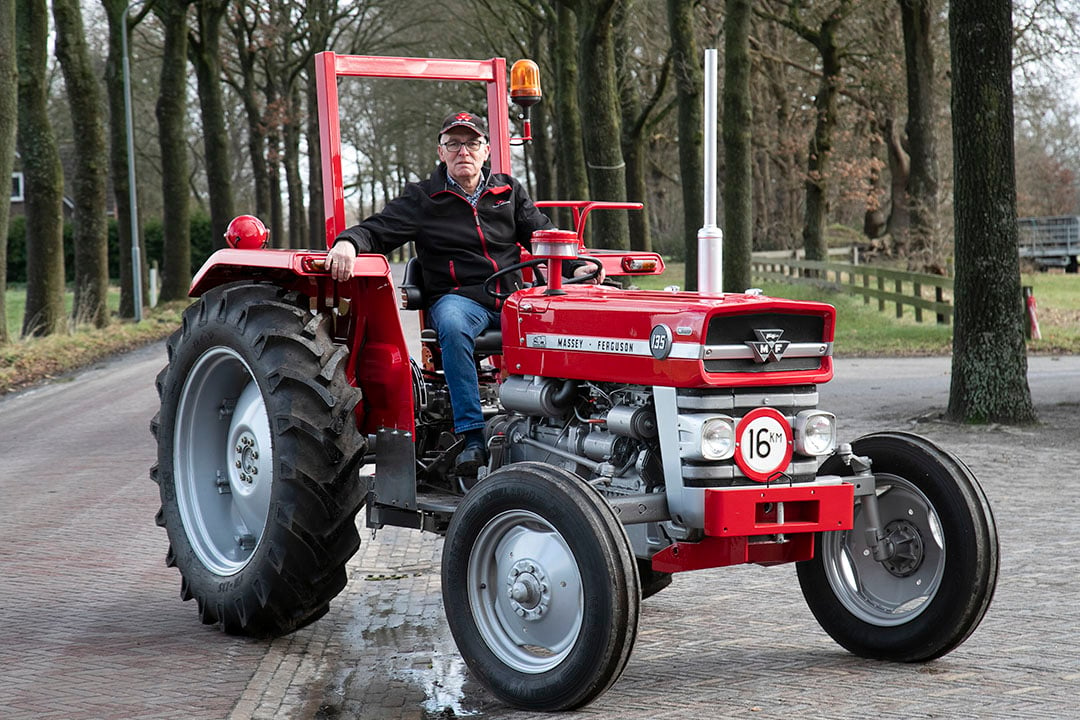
(528, 589)
(246, 456)
(907, 547)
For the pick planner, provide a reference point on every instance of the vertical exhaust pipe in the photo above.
(710, 237)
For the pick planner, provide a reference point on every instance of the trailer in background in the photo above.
(1051, 242)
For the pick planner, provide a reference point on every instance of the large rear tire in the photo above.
(540, 587)
(932, 594)
(257, 460)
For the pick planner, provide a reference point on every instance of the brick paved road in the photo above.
(94, 628)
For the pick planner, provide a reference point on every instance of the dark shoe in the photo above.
(470, 459)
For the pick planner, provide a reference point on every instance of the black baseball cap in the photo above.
(466, 120)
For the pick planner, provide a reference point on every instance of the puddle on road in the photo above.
(397, 657)
(443, 682)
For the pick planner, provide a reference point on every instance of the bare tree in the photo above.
(115, 13)
(821, 31)
(172, 137)
(91, 182)
(738, 185)
(9, 99)
(599, 99)
(917, 18)
(780, 155)
(43, 175)
(643, 71)
(689, 83)
(571, 177)
(204, 49)
(989, 366)
(244, 23)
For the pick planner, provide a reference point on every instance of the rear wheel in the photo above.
(540, 587)
(257, 460)
(932, 593)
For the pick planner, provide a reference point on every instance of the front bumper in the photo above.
(765, 524)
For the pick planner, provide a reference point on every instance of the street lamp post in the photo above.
(136, 257)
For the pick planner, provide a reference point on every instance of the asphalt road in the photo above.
(93, 626)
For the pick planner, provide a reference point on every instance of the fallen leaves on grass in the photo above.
(30, 360)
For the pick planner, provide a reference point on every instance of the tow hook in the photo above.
(866, 488)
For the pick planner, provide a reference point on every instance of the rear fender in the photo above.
(365, 315)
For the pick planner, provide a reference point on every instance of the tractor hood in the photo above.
(667, 338)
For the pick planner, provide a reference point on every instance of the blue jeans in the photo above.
(458, 321)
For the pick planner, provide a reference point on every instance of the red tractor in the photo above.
(632, 435)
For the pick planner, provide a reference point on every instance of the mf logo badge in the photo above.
(768, 347)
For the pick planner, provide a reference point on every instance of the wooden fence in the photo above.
(904, 288)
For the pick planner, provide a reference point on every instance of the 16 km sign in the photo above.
(762, 444)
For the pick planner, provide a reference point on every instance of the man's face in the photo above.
(464, 165)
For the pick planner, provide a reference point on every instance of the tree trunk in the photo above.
(43, 176)
(279, 234)
(783, 152)
(989, 366)
(689, 83)
(248, 91)
(571, 176)
(899, 222)
(819, 160)
(293, 183)
(316, 225)
(635, 153)
(541, 143)
(91, 181)
(9, 98)
(118, 162)
(633, 137)
(206, 57)
(599, 98)
(739, 181)
(172, 137)
(917, 16)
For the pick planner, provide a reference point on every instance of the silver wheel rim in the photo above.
(223, 461)
(525, 591)
(897, 591)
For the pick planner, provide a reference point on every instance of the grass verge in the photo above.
(862, 331)
(29, 360)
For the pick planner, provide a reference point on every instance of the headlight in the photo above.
(718, 438)
(706, 437)
(815, 432)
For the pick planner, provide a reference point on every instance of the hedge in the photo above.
(201, 246)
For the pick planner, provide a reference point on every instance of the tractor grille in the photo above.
(728, 335)
(789, 400)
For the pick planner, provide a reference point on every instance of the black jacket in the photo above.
(458, 246)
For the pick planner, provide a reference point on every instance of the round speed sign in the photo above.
(762, 443)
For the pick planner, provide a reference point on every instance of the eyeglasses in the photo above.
(454, 146)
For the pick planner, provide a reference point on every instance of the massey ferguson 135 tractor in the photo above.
(632, 435)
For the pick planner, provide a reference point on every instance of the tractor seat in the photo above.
(412, 294)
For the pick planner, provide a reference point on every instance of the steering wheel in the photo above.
(489, 284)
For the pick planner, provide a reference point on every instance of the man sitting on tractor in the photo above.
(466, 223)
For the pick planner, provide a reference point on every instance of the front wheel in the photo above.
(932, 593)
(540, 587)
